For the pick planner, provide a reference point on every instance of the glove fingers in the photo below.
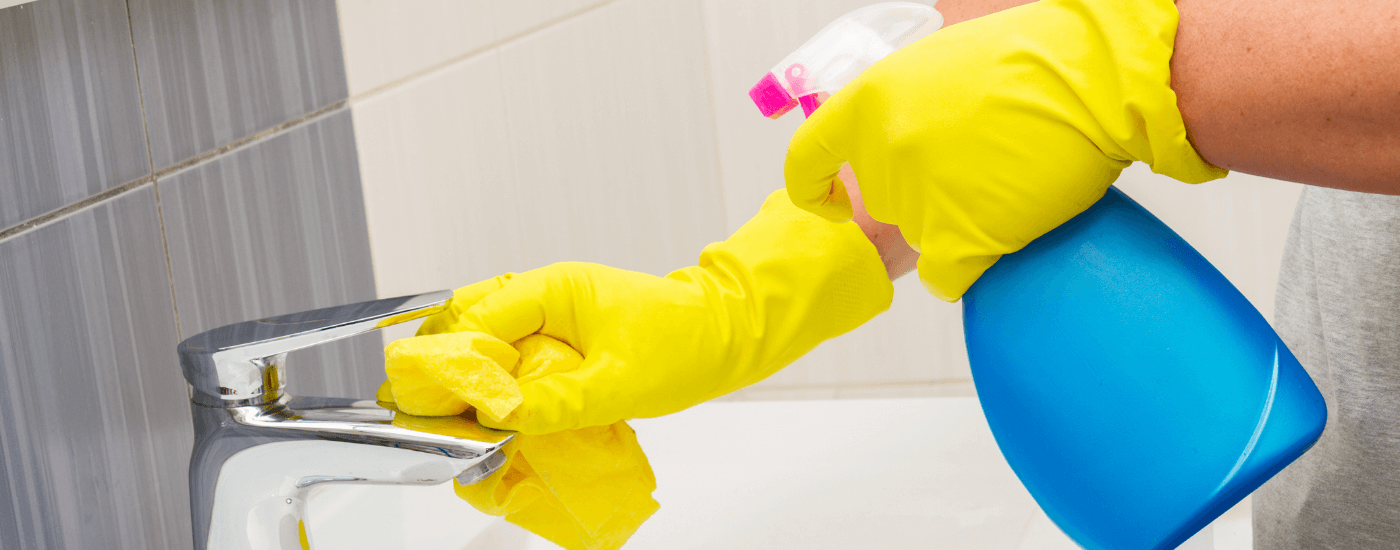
(570, 400)
(463, 298)
(515, 311)
(811, 165)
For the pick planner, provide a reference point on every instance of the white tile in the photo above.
(611, 134)
(1239, 223)
(756, 393)
(1202, 540)
(440, 199)
(1042, 534)
(387, 41)
(514, 16)
(951, 388)
(900, 390)
(918, 340)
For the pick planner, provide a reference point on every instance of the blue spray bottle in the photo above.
(1134, 391)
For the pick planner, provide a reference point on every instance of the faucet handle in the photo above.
(241, 364)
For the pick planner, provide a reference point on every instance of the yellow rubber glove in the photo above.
(987, 134)
(585, 489)
(783, 283)
(432, 375)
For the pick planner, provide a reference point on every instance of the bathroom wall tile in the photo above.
(755, 393)
(442, 158)
(442, 204)
(512, 16)
(1239, 223)
(611, 137)
(1042, 534)
(216, 72)
(952, 388)
(278, 227)
(899, 390)
(69, 105)
(95, 429)
(388, 41)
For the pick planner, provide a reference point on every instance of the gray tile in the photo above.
(70, 110)
(95, 428)
(278, 227)
(216, 72)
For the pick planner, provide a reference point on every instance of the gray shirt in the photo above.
(1338, 309)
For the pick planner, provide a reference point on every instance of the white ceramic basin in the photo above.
(839, 474)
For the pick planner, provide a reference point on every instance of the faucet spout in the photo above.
(260, 453)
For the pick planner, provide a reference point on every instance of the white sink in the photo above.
(839, 474)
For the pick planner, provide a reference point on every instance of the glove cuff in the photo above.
(788, 281)
(1141, 117)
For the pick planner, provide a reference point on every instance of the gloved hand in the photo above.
(783, 283)
(987, 134)
(582, 489)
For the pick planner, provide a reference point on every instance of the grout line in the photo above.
(53, 215)
(470, 53)
(151, 162)
(165, 247)
(200, 158)
(169, 272)
(714, 117)
(44, 219)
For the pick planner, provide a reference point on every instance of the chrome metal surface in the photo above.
(244, 363)
(313, 480)
(481, 470)
(287, 447)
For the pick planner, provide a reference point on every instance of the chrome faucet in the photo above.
(260, 453)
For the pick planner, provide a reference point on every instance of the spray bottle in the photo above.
(1134, 391)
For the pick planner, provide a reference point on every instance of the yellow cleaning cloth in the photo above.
(439, 374)
(582, 489)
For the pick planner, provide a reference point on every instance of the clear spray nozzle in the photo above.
(839, 53)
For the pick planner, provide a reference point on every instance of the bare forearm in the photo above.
(1299, 91)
